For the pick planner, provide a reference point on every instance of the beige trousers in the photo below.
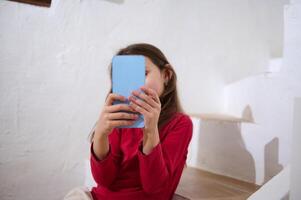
(79, 193)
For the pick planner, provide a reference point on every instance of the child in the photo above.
(141, 163)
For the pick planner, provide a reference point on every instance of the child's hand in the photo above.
(149, 107)
(110, 116)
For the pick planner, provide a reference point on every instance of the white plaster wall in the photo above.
(260, 149)
(218, 147)
(53, 69)
(271, 101)
(276, 188)
(271, 105)
(293, 52)
(295, 175)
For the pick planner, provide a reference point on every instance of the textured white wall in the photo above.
(53, 70)
(262, 149)
(270, 98)
(293, 52)
(296, 160)
(218, 147)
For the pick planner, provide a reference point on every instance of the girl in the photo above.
(141, 163)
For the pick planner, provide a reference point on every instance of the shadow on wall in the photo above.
(221, 150)
(286, 197)
(247, 114)
(271, 164)
(115, 1)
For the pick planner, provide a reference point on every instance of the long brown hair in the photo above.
(170, 103)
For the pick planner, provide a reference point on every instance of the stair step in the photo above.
(203, 185)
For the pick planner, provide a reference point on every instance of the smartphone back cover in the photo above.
(128, 74)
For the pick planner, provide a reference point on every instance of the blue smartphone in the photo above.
(128, 74)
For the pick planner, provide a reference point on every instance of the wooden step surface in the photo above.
(196, 184)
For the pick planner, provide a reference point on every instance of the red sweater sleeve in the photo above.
(104, 171)
(158, 167)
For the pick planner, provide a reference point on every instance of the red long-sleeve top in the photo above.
(126, 173)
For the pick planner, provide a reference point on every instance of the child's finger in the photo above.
(119, 107)
(122, 116)
(151, 92)
(146, 98)
(115, 123)
(112, 97)
(141, 103)
(138, 108)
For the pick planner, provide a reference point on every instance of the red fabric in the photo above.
(128, 174)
